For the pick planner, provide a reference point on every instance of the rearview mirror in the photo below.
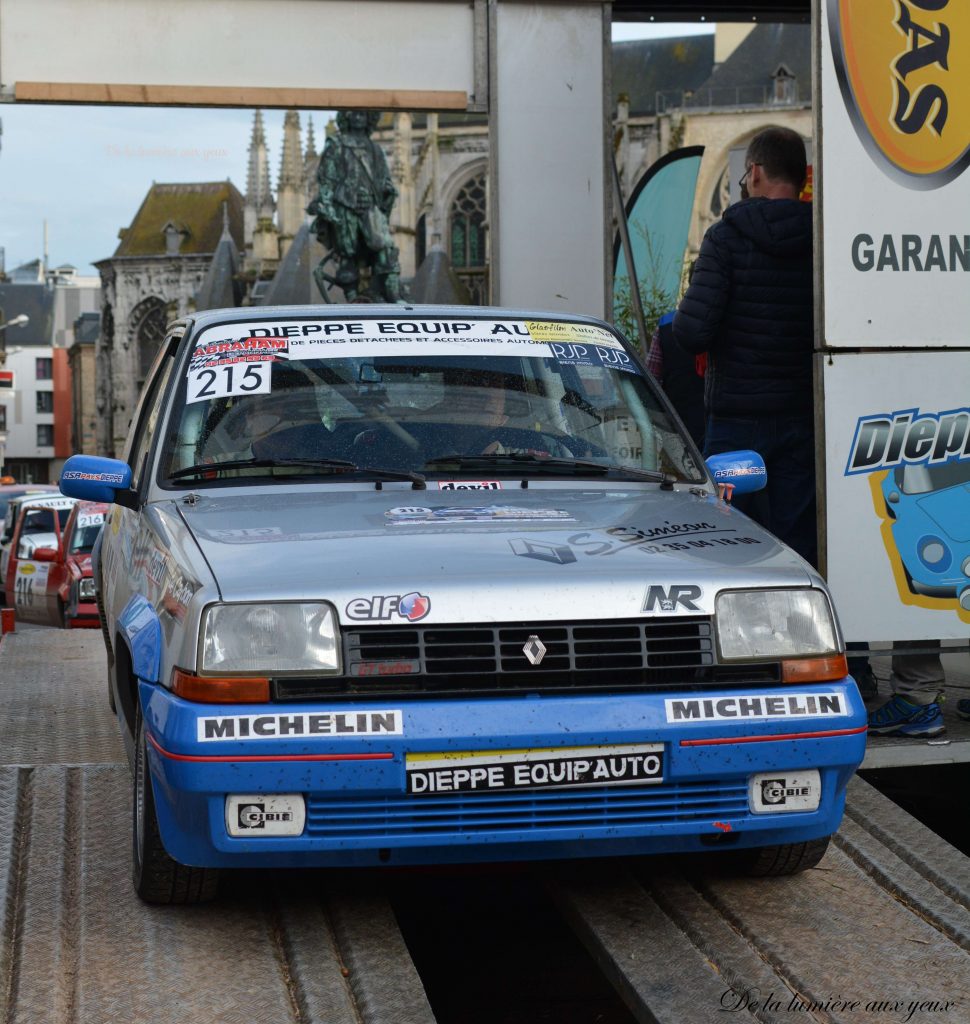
(93, 478)
(44, 554)
(744, 471)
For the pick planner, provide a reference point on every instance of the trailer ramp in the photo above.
(878, 932)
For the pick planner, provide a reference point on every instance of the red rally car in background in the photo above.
(54, 586)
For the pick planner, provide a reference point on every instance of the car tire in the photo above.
(158, 878)
(777, 861)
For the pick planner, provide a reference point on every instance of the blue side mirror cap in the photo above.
(745, 470)
(93, 478)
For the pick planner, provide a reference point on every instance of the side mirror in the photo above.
(744, 470)
(44, 554)
(92, 478)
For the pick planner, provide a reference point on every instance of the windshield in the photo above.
(925, 479)
(338, 397)
(42, 520)
(86, 531)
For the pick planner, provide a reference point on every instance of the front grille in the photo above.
(442, 815)
(490, 659)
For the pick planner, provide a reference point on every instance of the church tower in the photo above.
(311, 161)
(261, 241)
(291, 189)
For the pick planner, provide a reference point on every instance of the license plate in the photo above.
(555, 768)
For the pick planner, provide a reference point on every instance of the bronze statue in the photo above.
(354, 199)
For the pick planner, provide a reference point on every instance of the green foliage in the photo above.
(655, 299)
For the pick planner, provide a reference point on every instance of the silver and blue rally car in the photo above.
(397, 585)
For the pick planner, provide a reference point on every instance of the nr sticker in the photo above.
(228, 380)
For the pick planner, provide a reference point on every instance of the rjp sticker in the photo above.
(228, 380)
(575, 354)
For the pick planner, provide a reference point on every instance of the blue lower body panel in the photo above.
(362, 770)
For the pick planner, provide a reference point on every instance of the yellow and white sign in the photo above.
(30, 584)
(895, 186)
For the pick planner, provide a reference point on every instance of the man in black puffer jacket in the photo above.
(750, 307)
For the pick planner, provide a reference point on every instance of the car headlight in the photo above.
(270, 639)
(85, 589)
(934, 553)
(770, 624)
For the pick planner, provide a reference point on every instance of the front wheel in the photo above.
(157, 877)
(777, 861)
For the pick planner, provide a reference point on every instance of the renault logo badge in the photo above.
(534, 650)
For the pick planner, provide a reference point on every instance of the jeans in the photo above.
(918, 677)
(786, 507)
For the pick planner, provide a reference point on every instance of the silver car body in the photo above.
(486, 549)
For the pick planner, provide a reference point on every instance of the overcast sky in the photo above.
(87, 169)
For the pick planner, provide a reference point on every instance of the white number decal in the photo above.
(231, 379)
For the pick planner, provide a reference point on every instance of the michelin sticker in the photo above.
(215, 728)
(555, 768)
(755, 707)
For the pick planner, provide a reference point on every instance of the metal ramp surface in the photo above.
(884, 919)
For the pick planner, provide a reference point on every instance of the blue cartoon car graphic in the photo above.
(930, 509)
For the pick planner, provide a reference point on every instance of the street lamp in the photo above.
(18, 321)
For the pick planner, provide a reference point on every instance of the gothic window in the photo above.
(148, 322)
(466, 231)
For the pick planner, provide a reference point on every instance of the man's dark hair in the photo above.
(781, 154)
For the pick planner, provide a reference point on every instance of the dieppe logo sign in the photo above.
(918, 467)
(904, 70)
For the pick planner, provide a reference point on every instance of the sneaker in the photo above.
(865, 679)
(900, 717)
(963, 709)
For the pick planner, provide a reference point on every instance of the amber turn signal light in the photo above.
(814, 670)
(220, 690)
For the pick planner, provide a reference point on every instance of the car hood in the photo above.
(544, 553)
(948, 509)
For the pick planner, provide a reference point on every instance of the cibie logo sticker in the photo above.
(383, 608)
(904, 71)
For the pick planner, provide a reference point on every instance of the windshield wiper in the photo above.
(332, 465)
(337, 465)
(513, 460)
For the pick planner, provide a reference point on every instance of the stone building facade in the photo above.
(716, 91)
(81, 357)
(159, 266)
